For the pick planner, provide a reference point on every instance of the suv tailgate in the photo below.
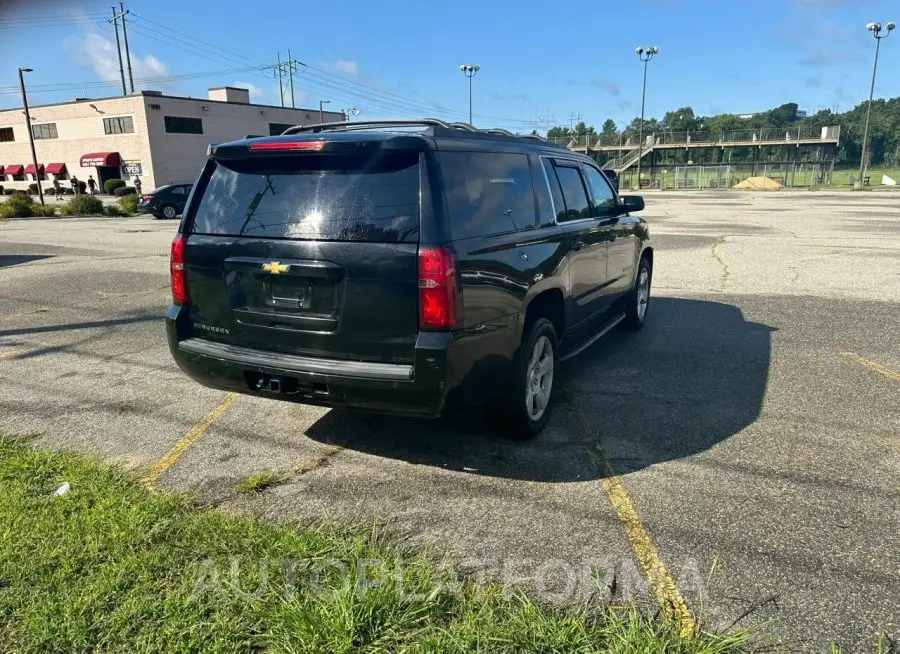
(310, 254)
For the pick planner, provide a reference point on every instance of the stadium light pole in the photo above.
(37, 175)
(645, 55)
(875, 28)
(469, 71)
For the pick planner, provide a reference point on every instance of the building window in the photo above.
(6, 135)
(277, 129)
(183, 125)
(121, 125)
(45, 131)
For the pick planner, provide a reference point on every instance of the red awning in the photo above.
(14, 169)
(56, 168)
(29, 169)
(100, 159)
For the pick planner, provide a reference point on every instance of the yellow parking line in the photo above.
(9, 354)
(193, 436)
(872, 365)
(662, 584)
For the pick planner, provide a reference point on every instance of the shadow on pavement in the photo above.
(693, 377)
(93, 324)
(7, 260)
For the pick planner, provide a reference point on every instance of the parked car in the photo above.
(358, 265)
(166, 201)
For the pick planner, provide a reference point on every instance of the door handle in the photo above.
(577, 245)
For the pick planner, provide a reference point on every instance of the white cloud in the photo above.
(341, 67)
(257, 93)
(99, 53)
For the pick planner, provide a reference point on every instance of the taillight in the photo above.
(286, 145)
(146, 198)
(176, 268)
(439, 300)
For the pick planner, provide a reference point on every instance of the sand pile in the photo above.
(759, 184)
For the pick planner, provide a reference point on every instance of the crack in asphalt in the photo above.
(726, 272)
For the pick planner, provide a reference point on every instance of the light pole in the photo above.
(322, 103)
(351, 112)
(875, 28)
(469, 71)
(645, 54)
(37, 174)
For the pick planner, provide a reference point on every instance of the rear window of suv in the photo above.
(313, 197)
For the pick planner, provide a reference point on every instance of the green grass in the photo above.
(259, 481)
(113, 566)
(842, 177)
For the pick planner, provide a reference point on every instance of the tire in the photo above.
(531, 400)
(638, 300)
(168, 211)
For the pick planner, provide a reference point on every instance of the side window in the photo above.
(488, 193)
(604, 200)
(555, 192)
(179, 190)
(574, 193)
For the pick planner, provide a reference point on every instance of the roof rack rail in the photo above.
(465, 126)
(420, 122)
(365, 124)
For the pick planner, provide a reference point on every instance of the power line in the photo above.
(318, 80)
(75, 86)
(29, 23)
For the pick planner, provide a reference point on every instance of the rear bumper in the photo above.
(417, 389)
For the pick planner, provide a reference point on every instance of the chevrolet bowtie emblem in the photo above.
(276, 267)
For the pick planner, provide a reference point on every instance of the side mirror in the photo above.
(631, 203)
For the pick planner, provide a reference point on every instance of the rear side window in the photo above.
(574, 193)
(313, 197)
(556, 191)
(488, 193)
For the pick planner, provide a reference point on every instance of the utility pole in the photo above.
(115, 22)
(280, 85)
(37, 176)
(546, 120)
(127, 52)
(291, 73)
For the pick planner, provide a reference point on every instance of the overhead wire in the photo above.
(326, 82)
(367, 92)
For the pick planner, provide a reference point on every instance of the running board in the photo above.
(593, 339)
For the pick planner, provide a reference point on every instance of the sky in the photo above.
(542, 63)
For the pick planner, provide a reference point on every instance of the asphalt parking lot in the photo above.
(745, 445)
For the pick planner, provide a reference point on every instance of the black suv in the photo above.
(375, 266)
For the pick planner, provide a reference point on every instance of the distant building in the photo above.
(161, 138)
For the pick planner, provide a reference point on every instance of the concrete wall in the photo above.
(80, 129)
(165, 158)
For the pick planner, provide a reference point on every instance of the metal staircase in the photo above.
(627, 160)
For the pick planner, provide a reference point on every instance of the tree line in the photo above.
(884, 127)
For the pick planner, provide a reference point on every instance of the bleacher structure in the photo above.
(793, 156)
